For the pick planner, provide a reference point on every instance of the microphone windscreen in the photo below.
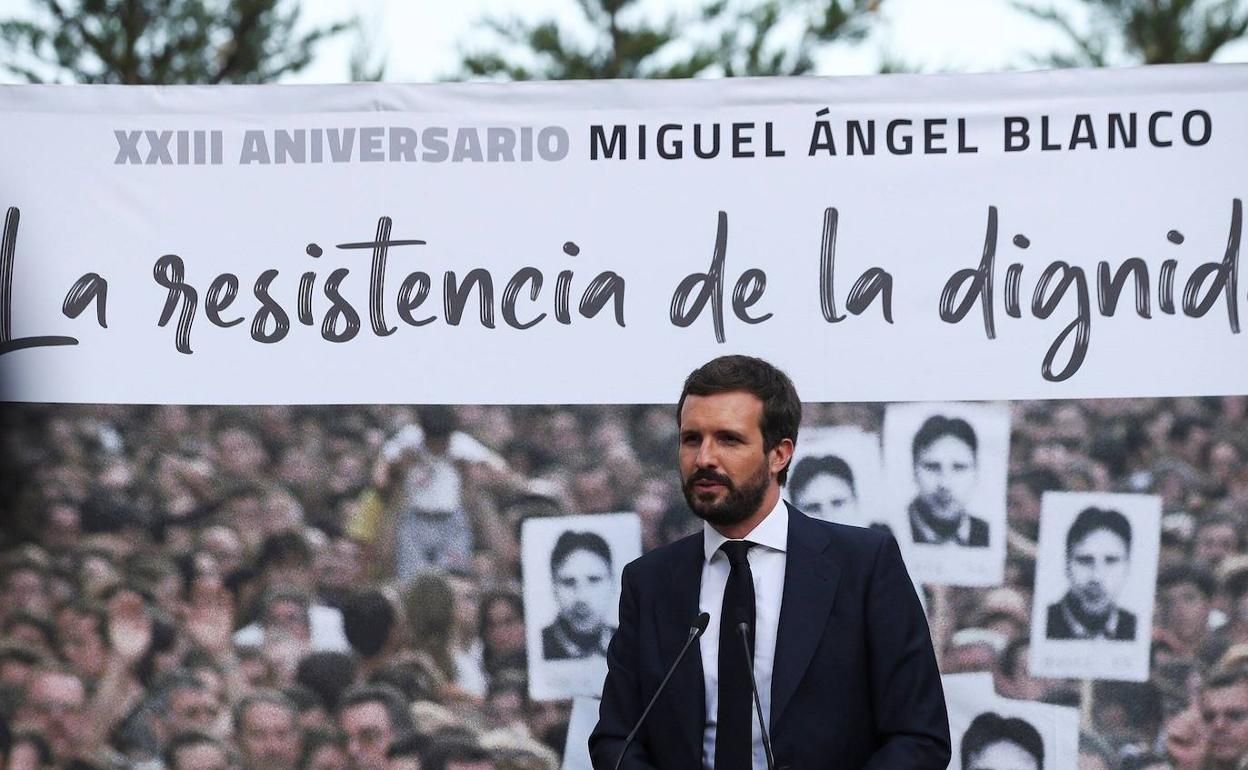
(699, 623)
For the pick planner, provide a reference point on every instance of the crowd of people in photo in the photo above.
(313, 588)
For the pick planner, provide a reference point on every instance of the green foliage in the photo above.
(729, 37)
(159, 41)
(1145, 31)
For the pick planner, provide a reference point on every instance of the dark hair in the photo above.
(570, 541)
(443, 753)
(283, 548)
(989, 728)
(1139, 701)
(826, 465)
(409, 744)
(368, 618)
(186, 740)
(782, 409)
(1090, 520)
(1010, 660)
(438, 421)
(1198, 576)
(390, 699)
(326, 673)
(938, 426)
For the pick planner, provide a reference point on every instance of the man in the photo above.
(1224, 709)
(1098, 557)
(994, 742)
(285, 567)
(55, 709)
(946, 468)
(842, 653)
(196, 751)
(372, 718)
(583, 584)
(266, 730)
(1185, 594)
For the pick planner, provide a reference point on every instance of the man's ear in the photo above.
(781, 454)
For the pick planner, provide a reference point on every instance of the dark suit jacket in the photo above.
(855, 684)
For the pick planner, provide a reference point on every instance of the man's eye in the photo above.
(931, 467)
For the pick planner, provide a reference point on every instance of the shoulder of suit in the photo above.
(859, 539)
(664, 554)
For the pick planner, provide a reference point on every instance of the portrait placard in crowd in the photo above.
(989, 732)
(580, 724)
(572, 567)
(945, 473)
(1095, 579)
(837, 475)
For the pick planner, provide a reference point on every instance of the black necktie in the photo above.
(734, 744)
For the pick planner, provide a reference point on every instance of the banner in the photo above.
(1037, 235)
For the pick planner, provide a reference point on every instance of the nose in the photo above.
(706, 457)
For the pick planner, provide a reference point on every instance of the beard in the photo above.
(739, 502)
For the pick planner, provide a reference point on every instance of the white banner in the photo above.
(1045, 235)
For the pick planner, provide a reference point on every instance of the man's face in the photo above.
(1214, 543)
(288, 618)
(583, 590)
(1184, 610)
(81, 643)
(1225, 712)
(369, 734)
(201, 756)
(1096, 568)
(724, 469)
(945, 473)
(192, 708)
(830, 498)
(54, 707)
(1003, 755)
(269, 738)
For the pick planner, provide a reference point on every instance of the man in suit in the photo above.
(1098, 558)
(840, 647)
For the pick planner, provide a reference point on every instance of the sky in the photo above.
(422, 40)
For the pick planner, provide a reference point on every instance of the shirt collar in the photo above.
(772, 532)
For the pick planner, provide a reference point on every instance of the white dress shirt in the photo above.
(767, 560)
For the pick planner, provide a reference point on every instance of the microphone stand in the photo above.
(699, 625)
(744, 628)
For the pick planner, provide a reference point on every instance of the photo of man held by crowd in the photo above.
(330, 587)
(946, 471)
(572, 567)
(1099, 565)
(836, 475)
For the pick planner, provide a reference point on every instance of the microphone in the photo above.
(744, 628)
(695, 630)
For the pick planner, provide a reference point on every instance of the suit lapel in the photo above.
(810, 580)
(677, 606)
